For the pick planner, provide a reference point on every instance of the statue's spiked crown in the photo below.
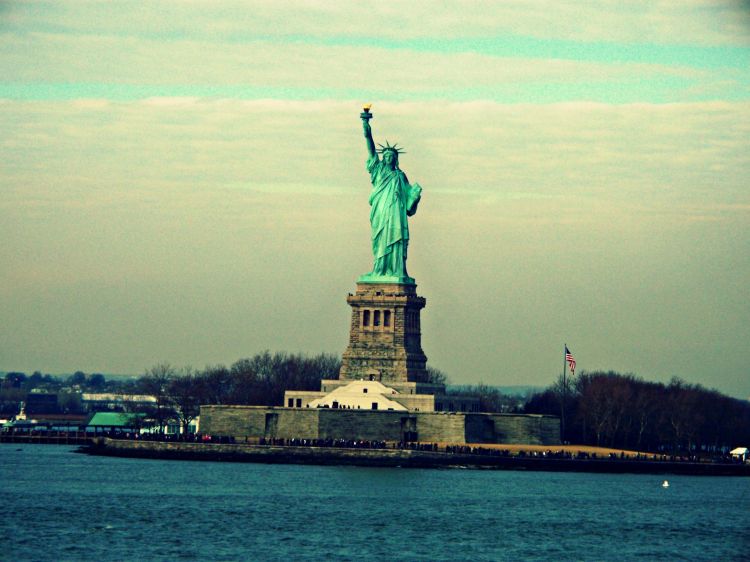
(393, 148)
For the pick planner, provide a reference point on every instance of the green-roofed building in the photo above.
(115, 421)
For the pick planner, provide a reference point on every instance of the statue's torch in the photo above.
(366, 115)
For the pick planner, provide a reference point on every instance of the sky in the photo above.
(185, 182)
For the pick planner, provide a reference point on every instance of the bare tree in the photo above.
(436, 376)
(218, 385)
(155, 382)
(624, 410)
(187, 392)
(596, 404)
(646, 410)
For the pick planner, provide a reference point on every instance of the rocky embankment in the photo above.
(403, 458)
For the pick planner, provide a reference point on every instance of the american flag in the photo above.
(571, 361)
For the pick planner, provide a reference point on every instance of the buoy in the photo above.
(665, 484)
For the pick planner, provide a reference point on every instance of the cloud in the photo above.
(332, 51)
(717, 22)
(662, 154)
(259, 63)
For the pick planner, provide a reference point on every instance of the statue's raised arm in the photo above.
(366, 116)
(392, 200)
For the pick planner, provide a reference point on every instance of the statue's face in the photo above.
(389, 158)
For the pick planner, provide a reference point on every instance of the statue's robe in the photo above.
(392, 199)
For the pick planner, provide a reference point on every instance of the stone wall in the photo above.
(301, 398)
(416, 402)
(294, 423)
(371, 425)
(440, 427)
(481, 428)
(326, 423)
(531, 429)
(228, 420)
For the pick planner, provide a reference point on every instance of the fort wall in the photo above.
(377, 425)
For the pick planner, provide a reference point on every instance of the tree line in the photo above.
(15, 386)
(624, 411)
(260, 380)
(601, 408)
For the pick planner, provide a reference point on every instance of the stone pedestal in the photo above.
(385, 342)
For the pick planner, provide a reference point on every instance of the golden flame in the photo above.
(367, 107)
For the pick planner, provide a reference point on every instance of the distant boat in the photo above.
(665, 484)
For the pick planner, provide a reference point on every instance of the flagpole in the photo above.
(564, 392)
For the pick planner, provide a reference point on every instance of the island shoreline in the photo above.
(397, 458)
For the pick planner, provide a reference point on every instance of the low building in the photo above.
(175, 427)
(107, 422)
(41, 403)
(374, 395)
(107, 401)
(360, 395)
(43, 419)
(741, 454)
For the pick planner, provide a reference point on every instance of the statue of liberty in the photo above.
(392, 200)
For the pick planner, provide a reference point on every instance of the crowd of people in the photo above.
(347, 444)
(414, 446)
(165, 437)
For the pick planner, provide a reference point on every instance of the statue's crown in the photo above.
(394, 148)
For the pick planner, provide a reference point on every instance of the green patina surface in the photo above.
(386, 279)
(113, 419)
(392, 200)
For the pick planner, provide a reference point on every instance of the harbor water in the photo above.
(58, 505)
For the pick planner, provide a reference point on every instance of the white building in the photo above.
(101, 401)
(373, 395)
(360, 395)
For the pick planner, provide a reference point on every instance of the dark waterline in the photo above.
(63, 506)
